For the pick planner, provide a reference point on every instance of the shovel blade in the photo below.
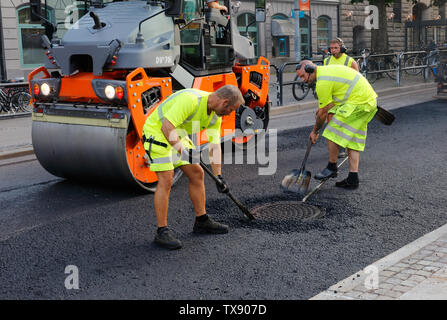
(303, 182)
(296, 182)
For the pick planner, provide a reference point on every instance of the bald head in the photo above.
(301, 72)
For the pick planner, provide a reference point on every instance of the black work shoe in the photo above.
(165, 238)
(346, 184)
(325, 174)
(210, 226)
(342, 153)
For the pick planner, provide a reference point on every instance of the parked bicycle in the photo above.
(15, 99)
(370, 66)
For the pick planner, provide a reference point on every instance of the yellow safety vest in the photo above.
(343, 85)
(344, 60)
(187, 111)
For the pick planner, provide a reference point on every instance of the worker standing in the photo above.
(348, 96)
(166, 140)
(338, 55)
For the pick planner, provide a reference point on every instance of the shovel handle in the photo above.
(309, 146)
(237, 202)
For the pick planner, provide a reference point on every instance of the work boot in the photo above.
(165, 238)
(346, 184)
(326, 174)
(209, 226)
(342, 154)
(351, 182)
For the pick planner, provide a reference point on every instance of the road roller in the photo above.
(117, 64)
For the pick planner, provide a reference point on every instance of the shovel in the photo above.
(236, 201)
(298, 177)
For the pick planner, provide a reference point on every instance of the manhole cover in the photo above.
(287, 211)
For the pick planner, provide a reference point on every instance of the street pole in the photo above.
(296, 15)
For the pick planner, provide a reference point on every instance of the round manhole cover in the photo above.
(287, 211)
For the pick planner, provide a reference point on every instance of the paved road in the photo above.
(47, 223)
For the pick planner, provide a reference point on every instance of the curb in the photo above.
(381, 93)
(15, 115)
(16, 154)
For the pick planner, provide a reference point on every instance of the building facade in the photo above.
(409, 26)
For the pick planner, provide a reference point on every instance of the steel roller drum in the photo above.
(91, 147)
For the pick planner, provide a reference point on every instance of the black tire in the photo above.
(300, 89)
(413, 61)
(391, 63)
(372, 66)
(20, 102)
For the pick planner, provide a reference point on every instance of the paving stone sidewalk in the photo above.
(417, 271)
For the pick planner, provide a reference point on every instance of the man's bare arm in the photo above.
(321, 117)
(217, 6)
(171, 135)
(355, 66)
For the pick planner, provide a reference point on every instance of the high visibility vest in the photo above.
(340, 85)
(344, 60)
(187, 111)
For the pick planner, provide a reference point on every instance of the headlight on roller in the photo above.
(45, 89)
(109, 92)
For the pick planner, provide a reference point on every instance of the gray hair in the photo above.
(232, 93)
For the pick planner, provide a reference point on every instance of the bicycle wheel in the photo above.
(20, 102)
(372, 66)
(391, 63)
(300, 89)
(413, 62)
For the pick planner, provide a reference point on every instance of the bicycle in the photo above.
(366, 65)
(383, 62)
(432, 61)
(5, 102)
(21, 101)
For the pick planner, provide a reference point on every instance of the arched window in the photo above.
(32, 54)
(323, 32)
(247, 26)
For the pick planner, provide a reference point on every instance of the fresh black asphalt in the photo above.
(107, 232)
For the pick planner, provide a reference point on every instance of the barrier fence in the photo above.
(374, 66)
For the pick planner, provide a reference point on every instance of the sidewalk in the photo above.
(417, 271)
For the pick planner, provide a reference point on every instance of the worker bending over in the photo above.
(166, 140)
(348, 96)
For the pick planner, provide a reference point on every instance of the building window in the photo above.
(247, 26)
(397, 10)
(281, 43)
(323, 32)
(32, 54)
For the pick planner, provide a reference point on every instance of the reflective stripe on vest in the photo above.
(351, 84)
(199, 97)
(346, 61)
(213, 120)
